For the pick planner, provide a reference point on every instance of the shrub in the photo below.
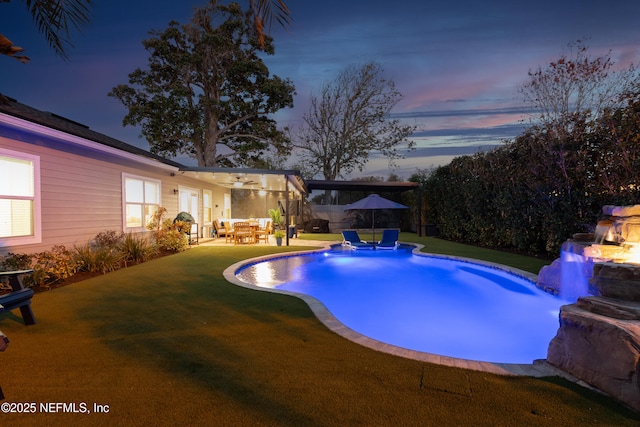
(169, 235)
(96, 258)
(136, 248)
(15, 262)
(155, 224)
(106, 252)
(172, 240)
(109, 238)
(48, 266)
(182, 226)
(52, 266)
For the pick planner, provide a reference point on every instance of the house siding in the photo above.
(81, 196)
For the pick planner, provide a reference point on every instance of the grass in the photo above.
(170, 342)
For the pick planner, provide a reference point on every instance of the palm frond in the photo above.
(56, 18)
(265, 11)
(268, 10)
(8, 48)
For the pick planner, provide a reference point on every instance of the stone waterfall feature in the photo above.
(599, 337)
(616, 239)
(599, 275)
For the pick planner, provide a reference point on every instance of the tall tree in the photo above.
(206, 92)
(349, 120)
(576, 83)
(55, 19)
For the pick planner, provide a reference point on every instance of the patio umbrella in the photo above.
(373, 202)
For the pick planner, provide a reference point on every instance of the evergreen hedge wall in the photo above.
(536, 191)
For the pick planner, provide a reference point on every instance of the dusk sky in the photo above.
(457, 63)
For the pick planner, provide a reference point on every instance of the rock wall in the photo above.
(625, 226)
(599, 337)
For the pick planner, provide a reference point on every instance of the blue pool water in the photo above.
(424, 303)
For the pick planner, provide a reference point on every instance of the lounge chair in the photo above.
(389, 239)
(352, 240)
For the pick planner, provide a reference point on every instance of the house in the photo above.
(61, 183)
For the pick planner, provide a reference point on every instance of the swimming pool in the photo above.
(432, 304)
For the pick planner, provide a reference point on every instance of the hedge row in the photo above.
(534, 192)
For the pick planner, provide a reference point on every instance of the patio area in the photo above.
(271, 241)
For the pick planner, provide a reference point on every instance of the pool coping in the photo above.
(538, 368)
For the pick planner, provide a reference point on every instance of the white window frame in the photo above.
(144, 203)
(36, 237)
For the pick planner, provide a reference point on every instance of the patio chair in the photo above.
(217, 230)
(229, 233)
(352, 240)
(263, 233)
(389, 239)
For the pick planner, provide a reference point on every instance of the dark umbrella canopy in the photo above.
(373, 202)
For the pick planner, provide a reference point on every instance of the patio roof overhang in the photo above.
(249, 179)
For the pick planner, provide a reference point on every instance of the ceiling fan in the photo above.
(239, 183)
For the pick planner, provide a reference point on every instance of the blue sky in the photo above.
(457, 63)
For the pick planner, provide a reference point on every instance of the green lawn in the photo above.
(170, 342)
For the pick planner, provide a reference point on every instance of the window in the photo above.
(207, 206)
(19, 198)
(141, 200)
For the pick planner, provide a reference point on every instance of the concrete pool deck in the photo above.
(538, 368)
(220, 241)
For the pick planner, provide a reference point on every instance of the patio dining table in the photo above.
(245, 232)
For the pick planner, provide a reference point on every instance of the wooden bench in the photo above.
(19, 297)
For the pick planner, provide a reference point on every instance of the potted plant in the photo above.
(279, 235)
(278, 225)
(276, 218)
